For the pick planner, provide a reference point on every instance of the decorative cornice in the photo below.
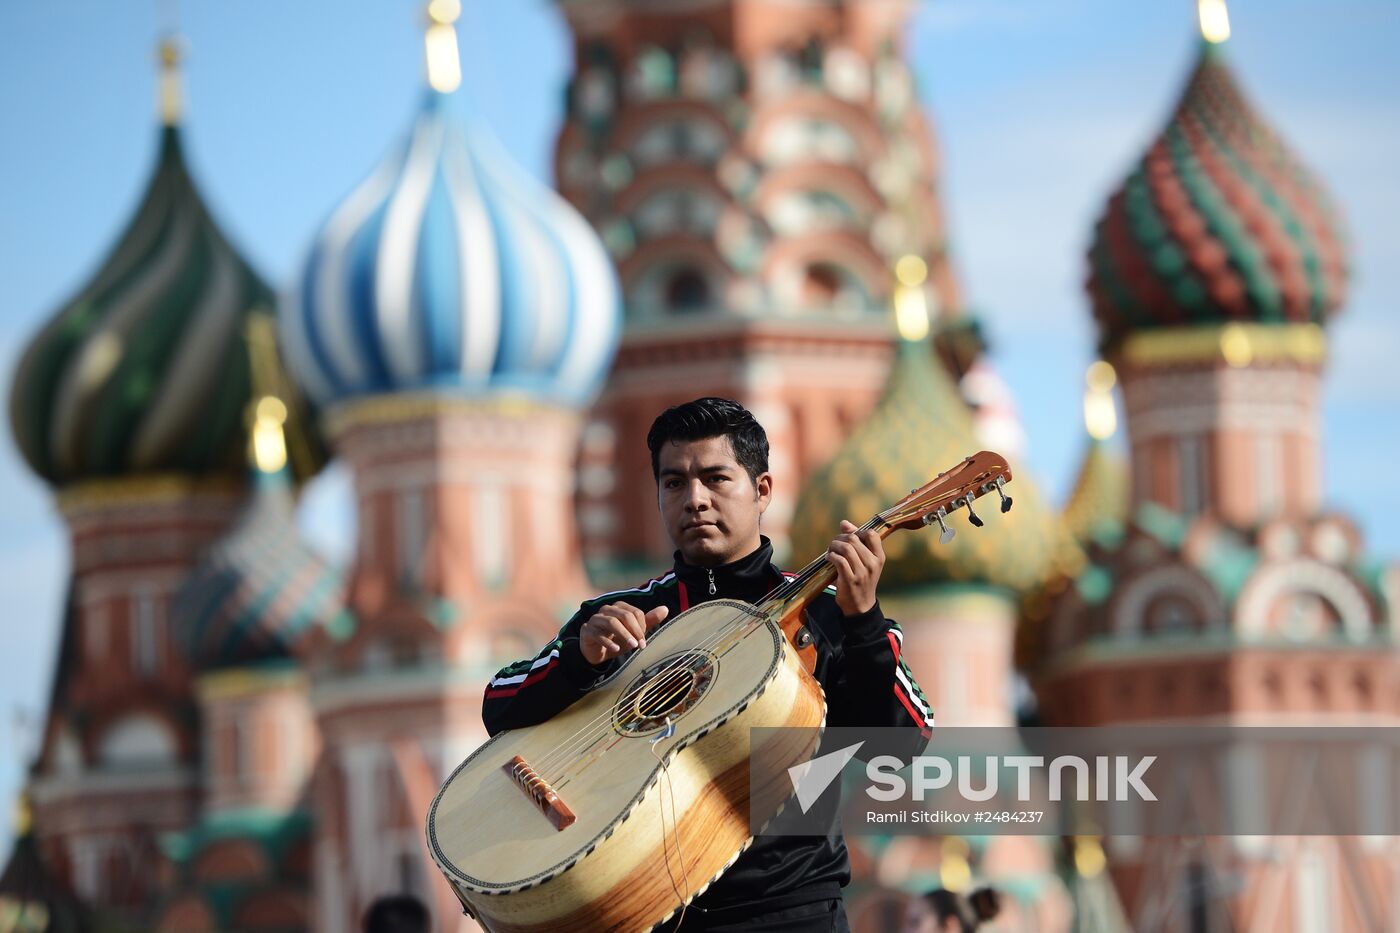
(48, 791)
(242, 681)
(151, 489)
(1237, 345)
(403, 407)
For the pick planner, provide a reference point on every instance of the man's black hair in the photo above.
(711, 417)
(397, 913)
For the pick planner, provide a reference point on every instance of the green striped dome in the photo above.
(1217, 222)
(147, 369)
(259, 590)
(919, 428)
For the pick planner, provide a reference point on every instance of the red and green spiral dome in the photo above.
(1218, 222)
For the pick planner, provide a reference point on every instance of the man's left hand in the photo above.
(858, 556)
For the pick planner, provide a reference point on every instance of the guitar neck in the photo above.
(811, 580)
(979, 475)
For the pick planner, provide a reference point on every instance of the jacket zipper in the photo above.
(712, 581)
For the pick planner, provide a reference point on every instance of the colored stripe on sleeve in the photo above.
(511, 680)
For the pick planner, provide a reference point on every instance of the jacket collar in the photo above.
(749, 578)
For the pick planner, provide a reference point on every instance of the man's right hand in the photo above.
(616, 629)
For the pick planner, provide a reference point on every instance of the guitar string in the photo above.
(601, 725)
(590, 732)
(665, 852)
(563, 756)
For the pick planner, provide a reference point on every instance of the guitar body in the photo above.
(638, 840)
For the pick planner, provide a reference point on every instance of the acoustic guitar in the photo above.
(618, 811)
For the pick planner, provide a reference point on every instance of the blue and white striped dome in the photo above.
(451, 269)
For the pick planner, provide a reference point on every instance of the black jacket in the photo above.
(858, 665)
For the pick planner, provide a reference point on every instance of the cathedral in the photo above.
(241, 735)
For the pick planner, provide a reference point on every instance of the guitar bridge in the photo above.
(540, 793)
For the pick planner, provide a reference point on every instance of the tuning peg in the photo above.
(971, 515)
(945, 533)
(1001, 491)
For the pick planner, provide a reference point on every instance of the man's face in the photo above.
(708, 504)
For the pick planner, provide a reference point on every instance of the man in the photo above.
(710, 461)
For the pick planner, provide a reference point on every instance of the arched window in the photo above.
(675, 210)
(1172, 614)
(1306, 616)
(822, 285)
(796, 212)
(1191, 472)
(675, 284)
(652, 74)
(801, 138)
(681, 139)
(67, 754)
(687, 290)
(709, 72)
(146, 632)
(411, 534)
(138, 741)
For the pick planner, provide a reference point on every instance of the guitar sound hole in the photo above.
(666, 690)
(665, 694)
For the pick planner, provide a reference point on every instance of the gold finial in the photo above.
(910, 270)
(1100, 413)
(910, 305)
(954, 872)
(267, 443)
(1101, 376)
(1215, 20)
(444, 63)
(172, 102)
(1089, 860)
(444, 11)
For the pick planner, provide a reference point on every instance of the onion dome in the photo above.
(259, 589)
(920, 427)
(450, 269)
(146, 369)
(1217, 222)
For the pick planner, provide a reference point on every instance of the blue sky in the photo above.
(1039, 107)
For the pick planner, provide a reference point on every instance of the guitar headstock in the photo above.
(932, 503)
